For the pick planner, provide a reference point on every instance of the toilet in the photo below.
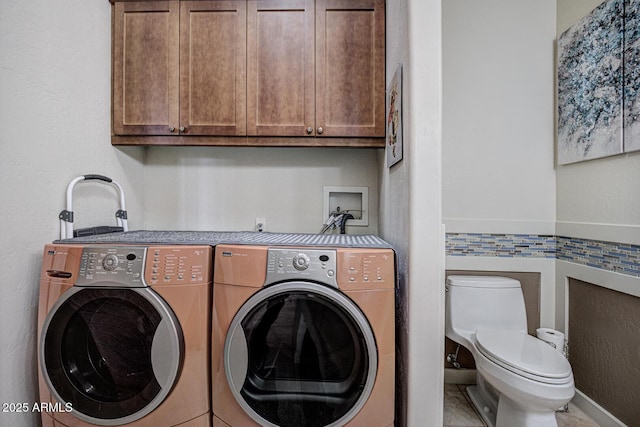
(521, 380)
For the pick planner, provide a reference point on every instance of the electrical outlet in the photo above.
(261, 224)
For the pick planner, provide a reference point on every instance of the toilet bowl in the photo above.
(521, 380)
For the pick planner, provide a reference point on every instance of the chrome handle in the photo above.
(172, 129)
(309, 130)
(320, 130)
(183, 129)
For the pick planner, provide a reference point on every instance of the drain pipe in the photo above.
(343, 222)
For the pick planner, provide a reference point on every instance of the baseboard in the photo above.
(597, 413)
(459, 376)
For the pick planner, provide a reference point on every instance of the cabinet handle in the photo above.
(172, 129)
(320, 130)
(183, 129)
(309, 130)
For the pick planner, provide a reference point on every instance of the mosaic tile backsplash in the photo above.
(501, 245)
(618, 257)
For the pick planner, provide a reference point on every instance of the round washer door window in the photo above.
(112, 353)
(300, 354)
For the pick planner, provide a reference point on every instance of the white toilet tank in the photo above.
(482, 302)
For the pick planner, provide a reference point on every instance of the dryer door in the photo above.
(114, 354)
(300, 354)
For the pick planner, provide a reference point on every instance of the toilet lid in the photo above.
(523, 354)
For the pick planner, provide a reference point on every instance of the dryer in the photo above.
(303, 336)
(124, 335)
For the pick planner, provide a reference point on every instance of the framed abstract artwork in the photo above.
(598, 82)
(590, 86)
(394, 118)
(631, 86)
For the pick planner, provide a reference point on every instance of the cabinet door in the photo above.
(213, 67)
(350, 68)
(280, 67)
(145, 68)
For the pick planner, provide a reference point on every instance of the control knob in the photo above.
(301, 262)
(110, 262)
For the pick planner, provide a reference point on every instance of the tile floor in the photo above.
(459, 412)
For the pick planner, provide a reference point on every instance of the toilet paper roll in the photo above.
(553, 337)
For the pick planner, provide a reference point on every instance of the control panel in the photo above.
(175, 265)
(309, 264)
(135, 266)
(366, 268)
(118, 265)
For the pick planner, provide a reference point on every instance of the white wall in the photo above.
(499, 166)
(410, 209)
(227, 188)
(498, 131)
(597, 199)
(394, 197)
(55, 113)
(426, 244)
(54, 116)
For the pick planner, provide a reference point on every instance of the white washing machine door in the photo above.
(114, 354)
(300, 354)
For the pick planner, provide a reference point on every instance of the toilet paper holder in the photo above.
(556, 340)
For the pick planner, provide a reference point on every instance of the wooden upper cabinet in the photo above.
(350, 68)
(145, 68)
(280, 67)
(179, 68)
(213, 67)
(316, 68)
(249, 72)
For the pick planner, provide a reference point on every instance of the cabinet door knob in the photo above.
(172, 129)
(309, 130)
(183, 129)
(320, 130)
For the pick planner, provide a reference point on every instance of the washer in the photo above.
(303, 336)
(124, 335)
